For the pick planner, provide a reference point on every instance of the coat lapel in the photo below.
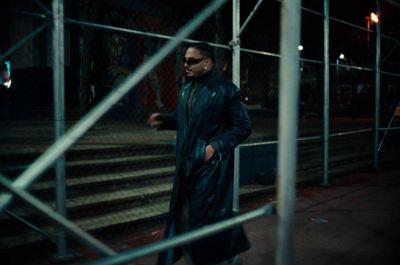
(183, 107)
(197, 110)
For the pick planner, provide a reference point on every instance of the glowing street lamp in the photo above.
(301, 48)
(340, 57)
(372, 18)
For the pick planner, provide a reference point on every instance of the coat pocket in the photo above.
(198, 154)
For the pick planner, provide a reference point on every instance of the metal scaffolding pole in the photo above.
(33, 172)
(377, 83)
(59, 116)
(247, 21)
(325, 180)
(236, 42)
(288, 126)
(236, 80)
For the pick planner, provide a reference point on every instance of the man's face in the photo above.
(195, 64)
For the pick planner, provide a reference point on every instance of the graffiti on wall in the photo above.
(125, 52)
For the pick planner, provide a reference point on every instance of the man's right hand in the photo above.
(154, 120)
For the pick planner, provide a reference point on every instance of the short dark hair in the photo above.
(205, 49)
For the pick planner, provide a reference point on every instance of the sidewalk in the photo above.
(355, 221)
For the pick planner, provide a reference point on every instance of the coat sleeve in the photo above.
(237, 125)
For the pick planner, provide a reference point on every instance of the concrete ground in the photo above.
(355, 221)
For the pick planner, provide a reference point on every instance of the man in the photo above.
(211, 120)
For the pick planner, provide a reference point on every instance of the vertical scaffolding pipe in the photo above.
(236, 180)
(325, 179)
(288, 126)
(236, 42)
(377, 83)
(57, 149)
(236, 80)
(59, 116)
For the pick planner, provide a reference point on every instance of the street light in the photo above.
(300, 48)
(372, 18)
(344, 59)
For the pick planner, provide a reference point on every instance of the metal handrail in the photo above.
(310, 138)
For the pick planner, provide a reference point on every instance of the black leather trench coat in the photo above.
(217, 117)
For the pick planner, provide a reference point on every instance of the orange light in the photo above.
(374, 17)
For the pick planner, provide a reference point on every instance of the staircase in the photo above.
(115, 187)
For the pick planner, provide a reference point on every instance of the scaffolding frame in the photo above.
(290, 28)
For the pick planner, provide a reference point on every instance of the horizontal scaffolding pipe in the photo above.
(217, 45)
(309, 138)
(82, 126)
(391, 74)
(389, 129)
(316, 137)
(73, 21)
(149, 34)
(24, 40)
(182, 239)
(352, 67)
(137, 32)
(50, 214)
(26, 13)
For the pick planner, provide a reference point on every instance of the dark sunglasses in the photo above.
(192, 61)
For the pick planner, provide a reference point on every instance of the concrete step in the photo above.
(14, 160)
(91, 224)
(100, 202)
(139, 191)
(118, 164)
(102, 165)
(106, 220)
(106, 181)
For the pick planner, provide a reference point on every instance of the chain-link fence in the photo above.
(119, 174)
